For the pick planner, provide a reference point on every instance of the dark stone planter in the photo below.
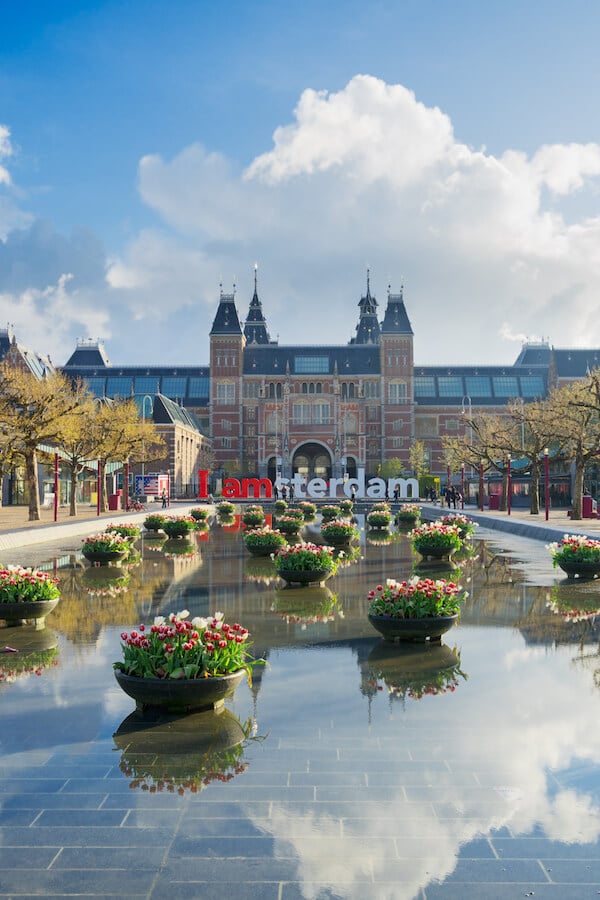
(263, 551)
(308, 576)
(339, 541)
(432, 627)
(104, 557)
(179, 695)
(435, 552)
(21, 613)
(580, 569)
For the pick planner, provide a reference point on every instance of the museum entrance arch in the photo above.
(312, 460)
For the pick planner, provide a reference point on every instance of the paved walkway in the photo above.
(17, 531)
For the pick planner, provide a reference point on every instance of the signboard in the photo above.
(152, 485)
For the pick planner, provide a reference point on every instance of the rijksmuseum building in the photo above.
(327, 410)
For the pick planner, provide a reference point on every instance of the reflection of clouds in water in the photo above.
(491, 747)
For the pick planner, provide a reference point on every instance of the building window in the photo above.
(251, 390)
(371, 389)
(225, 393)
(146, 385)
(424, 386)
(226, 425)
(198, 387)
(119, 387)
(372, 413)
(275, 391)
(397, 392)
(321, 413)
(174, 387)
(398, 424)
(311, 365)
(505, 386)
(301, 413)
(96, 386)
(532, 386)
(478, 386)
(226, 442)
(450, 386)
(397, 442)
(426, 426)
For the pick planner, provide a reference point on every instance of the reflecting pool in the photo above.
(349, 768)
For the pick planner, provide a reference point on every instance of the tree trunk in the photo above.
(534, 488)
(32, 484)
(578, 489)
(103, 491)
(73, 502)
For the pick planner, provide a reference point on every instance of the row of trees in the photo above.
(61, 414)
(566, 422)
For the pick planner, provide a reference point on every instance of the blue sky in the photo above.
(150, 149)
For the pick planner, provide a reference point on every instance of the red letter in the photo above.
(231, 489)
(256, 484)
(202, 484)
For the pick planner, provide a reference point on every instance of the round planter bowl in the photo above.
(21, 613)
(435, 552)
(308, 576)
(104, 557)
(580, 569)
(431, 628)
(263, 551)
(179, 695)
(339, 540)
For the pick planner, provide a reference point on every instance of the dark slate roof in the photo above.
(188, 384)
(227, 319)
(396, 319)
(575, 363)
(367, 330)
(166, 412)
(481, 385)
(350, 359)
(534, 355)
(89, 354)
(255, 329)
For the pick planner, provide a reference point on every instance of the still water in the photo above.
(350, 768)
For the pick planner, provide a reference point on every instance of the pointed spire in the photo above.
(367, 330)
(255, 329)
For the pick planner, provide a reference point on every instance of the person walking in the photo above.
(164, 499)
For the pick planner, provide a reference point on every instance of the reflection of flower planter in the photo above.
(260, 569)
(304, 576)
(179, 695)
(31, 651)
(412, 672)
(397, 629)
(105, 580)
(183, 547)
(162, 752)
(575, 569)
(104, 557)
(378, 537)
(315, 604)
(434, 552)
(33, 610)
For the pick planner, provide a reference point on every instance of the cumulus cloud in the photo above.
(367, 175)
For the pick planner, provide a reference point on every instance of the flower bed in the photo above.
(225, 508)
(379, 518)
(107, 544)
(179, 526)
(20, 585)
(199, 514)
(176, 648)
(346, 506)
(309, 510)
(339, 531)
(465, 525)
(154, 522)
(408, 513)
(306, 557)
(289, 524)
(295, 512)
(253, 515)
(576, 554)
(435, 539)
(125, 530)
(328, 513)
(264, 541)
(417, 598)
(280, 506)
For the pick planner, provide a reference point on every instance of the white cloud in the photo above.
(368, 175)
(5, 150)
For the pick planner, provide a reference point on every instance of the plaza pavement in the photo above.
(17, 531)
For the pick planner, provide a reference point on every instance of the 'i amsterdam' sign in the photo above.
(316, 488)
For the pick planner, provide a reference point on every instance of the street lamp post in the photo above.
(481, 486)
(462, 486)
(546, 482)
(508, 485)
(146, 397)
(467, 399)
